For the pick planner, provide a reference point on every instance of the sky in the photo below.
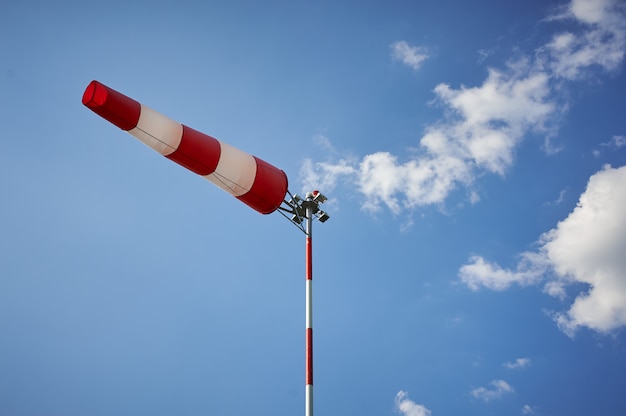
(474, 159)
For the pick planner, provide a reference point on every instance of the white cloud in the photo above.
(603, 13)
(527, 410)
(406, 185)
(616, 141)
(408, 407)
(557, 201)
(498, 389)
(516, 101)
(490, 121)
(483, 54)
(412, 56)
(619, 141)
(602, 44)
(586, 247)
(590, 11)
(481, 273)
(324, 175)
(323, 141)
(518, 363)
(484, 124)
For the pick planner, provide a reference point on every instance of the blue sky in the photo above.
(474, 156)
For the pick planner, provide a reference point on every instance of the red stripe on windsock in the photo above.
(268, 190)
(198, 152)
(309, 356)
(111, 105)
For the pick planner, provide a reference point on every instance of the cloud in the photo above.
(498, 389)
(322, 140)
(527, 410)
(481, 273)
(619, 141)
(406, 185)
(490, 120)
(518, 363)
(408, 407)
(569, 54)
(413, 56)
(324, 175)
(616, 142)
(484, 124)
(590, 11)
(557, 201)
(483, 54)
(586, 248)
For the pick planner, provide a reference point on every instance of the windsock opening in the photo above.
(112, 106)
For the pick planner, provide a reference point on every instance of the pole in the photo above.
(308, 394)
(303, 212)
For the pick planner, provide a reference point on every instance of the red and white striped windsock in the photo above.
(250, 179)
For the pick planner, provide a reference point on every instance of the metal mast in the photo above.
(304, 211)
(308, 393)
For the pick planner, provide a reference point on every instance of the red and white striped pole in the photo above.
(308, 393)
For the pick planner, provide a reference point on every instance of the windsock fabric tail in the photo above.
(253, 181)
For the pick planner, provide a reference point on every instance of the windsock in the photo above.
(250, 179)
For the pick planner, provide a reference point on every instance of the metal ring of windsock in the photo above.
(253, 181)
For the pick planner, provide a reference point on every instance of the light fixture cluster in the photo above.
(296, 208)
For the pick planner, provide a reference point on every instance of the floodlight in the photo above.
(322, 216)
(319, 198)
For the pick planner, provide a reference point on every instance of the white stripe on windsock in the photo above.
(235, 171)
(158, 131)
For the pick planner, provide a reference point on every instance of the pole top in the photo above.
(297, 208)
